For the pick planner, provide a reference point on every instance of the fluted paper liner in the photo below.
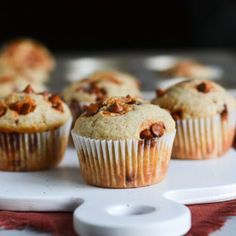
(33, 151)
(204, 138)
(123, 163)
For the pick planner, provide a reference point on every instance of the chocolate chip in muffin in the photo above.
(116, 107)
(56, 102)
(158, 129)
(23, 107)
(92, 88)
(3, 110)
(92, 109)
(160, 92)
(146, 134)
(28, 89)
(177, 115)
(224, 113)
(204, 87)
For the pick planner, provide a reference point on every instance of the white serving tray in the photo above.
(149, 211)
(154, 210)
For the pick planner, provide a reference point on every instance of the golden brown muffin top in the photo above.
(101, 85)
(124, 118)
(195, 99)
(28, 112)
(24, 54)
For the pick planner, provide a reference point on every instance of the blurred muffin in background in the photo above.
(205, 118)
(97, 87)
(28, 58)
(10, 82)
(189, 69)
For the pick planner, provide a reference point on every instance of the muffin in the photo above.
(34, 129)
(97, 87)
(10, 82)
(27, 58)
(123, 142)
(189, 69)
(205, 117)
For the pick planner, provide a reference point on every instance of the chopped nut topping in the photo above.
(224, 113)
(204, 87)
(28, 89)
(177, 115)
(24, 106)
(56, 102)
(3, 110)
(160, 92)
(158, 129)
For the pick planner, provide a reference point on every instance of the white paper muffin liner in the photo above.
(204, 138)
(33, 151)
(123, 163)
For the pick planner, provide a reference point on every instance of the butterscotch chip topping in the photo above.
(177, 115)
(146, 134)
(30, 112)
(156, 130)
(124, 118)
(224, 113)
(56, 102)
(92, 109)
(28, 89)
(204, 87)
(101, 85)
(24, 106)
(192, 99)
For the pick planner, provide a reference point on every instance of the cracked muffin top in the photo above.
(124, 118)
(196, 99)
(101, 85)
(27, 57)
(28, 112)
